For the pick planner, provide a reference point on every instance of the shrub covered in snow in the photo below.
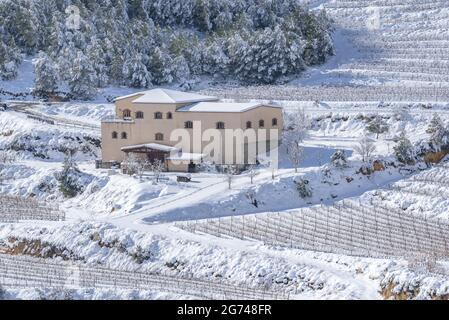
(404, 150)
(51, 144)
(303, 187)
(439, 133)
(339, 159)
(71, 180)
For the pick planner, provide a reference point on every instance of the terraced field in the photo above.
(385, 51)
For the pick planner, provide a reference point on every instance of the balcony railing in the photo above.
(114, 119)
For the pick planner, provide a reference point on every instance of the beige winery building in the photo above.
(144, 124)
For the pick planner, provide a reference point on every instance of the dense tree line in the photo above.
(141, 43)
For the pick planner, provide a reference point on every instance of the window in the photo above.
(274, 122)
(249, 125)
(261, 124)
(139, 115)
(220, 125)
(114, 135)
(124, 135)
(126, 113)
(159, 137)
(188, 125)
(169, 115)
(158, 115)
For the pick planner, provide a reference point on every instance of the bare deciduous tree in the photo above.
(365, 148)
(297, 124)
(295, 154)
(132, 164)
(296, 128)
(252, 173)
(157, 167)
(230, 172)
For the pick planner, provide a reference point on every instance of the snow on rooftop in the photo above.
(154, 146)
(223, 107)
(161, 95)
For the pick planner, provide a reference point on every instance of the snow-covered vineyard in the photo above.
(386, 51)
(380, 235)
(15, 209)
(357, 207)
(346, 228)
(25, 272)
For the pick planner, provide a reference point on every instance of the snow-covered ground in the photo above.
(390, 56)
(114, 216)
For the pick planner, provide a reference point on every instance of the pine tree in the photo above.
(97, 56)
(67, 178)
(137, 72)
(404, 150)
(83, 81)
(223, 21)
(439, 133)
(181, 70)
(436, 124)
(46, 80)
(117, 70)
(216, 60)
(66, 59)
(261, 57)
(252, 41)
(240, 53)
(161, 67)
(377, 126)
(201, 16)
(10, 59)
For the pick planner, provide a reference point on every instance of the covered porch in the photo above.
(173, 159)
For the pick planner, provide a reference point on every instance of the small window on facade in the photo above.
(126, 113)
(261, 124)
(249, 125)
(169, 115)
(158, 115)
(220, 125)
(114, 135)
(274, 122)
(188, 125)
(159, 137)
(139, 115)
(124, 135)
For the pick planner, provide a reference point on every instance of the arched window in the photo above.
(159, 137)
(188, 125)
(249, 125)
(220, 125)
(274, 122)
(139, 115)
(124, 135)
(261, 124)
(114, 135)
(169, 115)
(158, 115)
(126, 113)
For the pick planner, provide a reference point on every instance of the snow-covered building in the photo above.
(146, 124)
